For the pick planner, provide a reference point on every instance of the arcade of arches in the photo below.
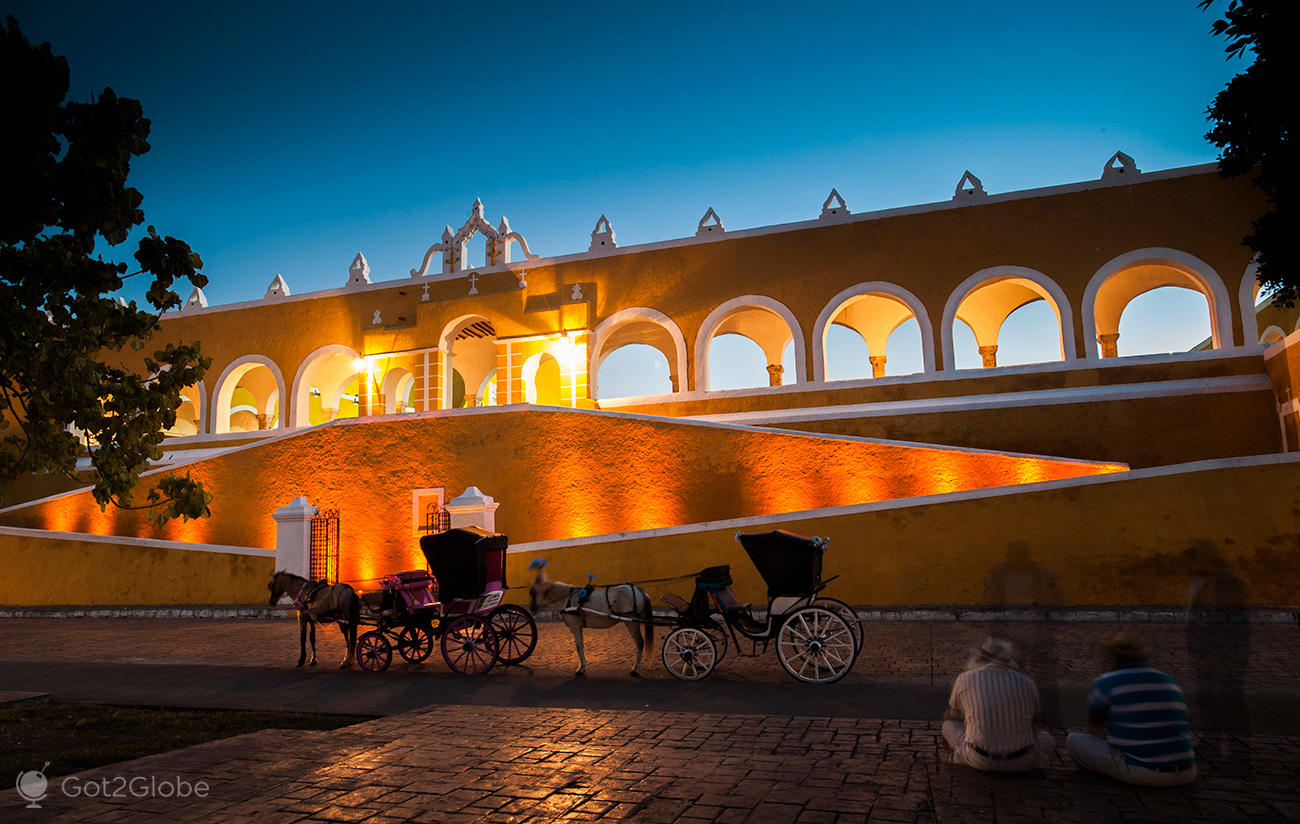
(851, 324)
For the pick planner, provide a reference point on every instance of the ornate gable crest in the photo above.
(454, 245)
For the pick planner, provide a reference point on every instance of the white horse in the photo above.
(602, 607)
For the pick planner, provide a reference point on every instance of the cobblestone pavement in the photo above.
(493, 764)
(558, 759)
(902, 651)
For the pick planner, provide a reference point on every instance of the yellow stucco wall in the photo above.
(1117, 541)
(556, 473)
(49, 569)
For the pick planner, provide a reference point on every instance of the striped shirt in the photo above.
(998, 705)
(1147, 716)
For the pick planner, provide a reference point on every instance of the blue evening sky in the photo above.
(288, 137)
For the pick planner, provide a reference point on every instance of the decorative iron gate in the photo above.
(325, 546)
(436, 519)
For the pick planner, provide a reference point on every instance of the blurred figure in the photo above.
(1020, 581)
(989, 723)
(1145, 716)
(1218, 644)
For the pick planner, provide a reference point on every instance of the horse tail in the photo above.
(649, 617)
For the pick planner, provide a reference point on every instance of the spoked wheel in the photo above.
(816, 646)
(414, 644)
(516, 633)
(846, 612)
(469, 645)
(374, 653)
(689, 654)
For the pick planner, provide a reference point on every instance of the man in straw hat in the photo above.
(990, 719)
(1147, 738)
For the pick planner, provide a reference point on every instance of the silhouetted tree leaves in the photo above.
(64, 386)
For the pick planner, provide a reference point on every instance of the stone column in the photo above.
(774, 371)
(672, 379)
(263, 421)
(473, 508)
(1109, 345)
(329, 414)
(293, 536)
(990, 355)
(877, 365)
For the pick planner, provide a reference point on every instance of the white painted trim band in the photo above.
(141, 543)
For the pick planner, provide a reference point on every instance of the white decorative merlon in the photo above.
(602, 237)
(709, 224)
(358, 272)
(975, 191)
(834, 206)
(473, 508)
(454, 246)
(293, 536)
(277, 289)
(1119, 167)
(196, 300)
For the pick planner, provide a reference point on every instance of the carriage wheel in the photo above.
(689, 654)
(846, 612)
(469, 645)
(816, 646)
(414, 644)
(516, 633)
(374, 653)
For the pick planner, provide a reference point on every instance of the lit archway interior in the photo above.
(327, 388)
(541, 376)
(986, 310)
(189, 417)
(1162, 308)
(637, 371)
(471, 351)
(247, 400)
(862, 330)
(734, 365)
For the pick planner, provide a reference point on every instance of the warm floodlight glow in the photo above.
(359, 364)
(566, 351)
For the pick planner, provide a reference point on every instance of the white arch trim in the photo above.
(300, 400)
(1274, 328)
(875, 287)
(1246, 291)
(717, 316)
(597, 355)
(1059, 302)
(445, 355)
(221, 394)
(1197, 269)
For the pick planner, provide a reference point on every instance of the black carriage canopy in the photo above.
(465, 559)
(790, 564)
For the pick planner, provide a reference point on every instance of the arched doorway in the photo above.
(469, 350)
(862, 326)
(247, 396)
(761, 321)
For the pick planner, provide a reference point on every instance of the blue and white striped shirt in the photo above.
(1148, 716)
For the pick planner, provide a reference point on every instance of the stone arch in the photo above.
(265, 388)
(1033, 282)
(397, 382)
(1272, 334)
(1247, 291)
(192, 413)
(893, 291)
(1187, 271)
(331, 368)
(472, 338)
(541, 379)
(736, 311)
(638, 324)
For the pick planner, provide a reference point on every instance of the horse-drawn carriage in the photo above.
(457, 601)
(817, 639)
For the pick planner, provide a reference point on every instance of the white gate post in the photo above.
(473, 508)
(293, 536)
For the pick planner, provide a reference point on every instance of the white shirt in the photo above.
(999, 705)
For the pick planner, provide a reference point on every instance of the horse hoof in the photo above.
(300, 664)
(313, 663)
(345, 666)
(636, 674)
(580, 674)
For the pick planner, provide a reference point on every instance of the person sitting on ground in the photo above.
(990, 719)
(1147, 737)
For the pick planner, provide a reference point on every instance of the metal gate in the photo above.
(436, 519)
(324, 556)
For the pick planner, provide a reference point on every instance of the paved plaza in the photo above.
(533, 744)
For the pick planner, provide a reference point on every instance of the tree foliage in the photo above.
(1255, 117)
(64, 340)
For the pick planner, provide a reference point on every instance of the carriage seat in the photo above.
(677, 602)
(734, 610)
(418, 589)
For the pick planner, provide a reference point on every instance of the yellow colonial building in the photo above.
(384, 398)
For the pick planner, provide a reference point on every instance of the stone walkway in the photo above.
(453, 764)
(537, 746)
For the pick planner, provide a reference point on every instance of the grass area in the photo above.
(77, 737)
